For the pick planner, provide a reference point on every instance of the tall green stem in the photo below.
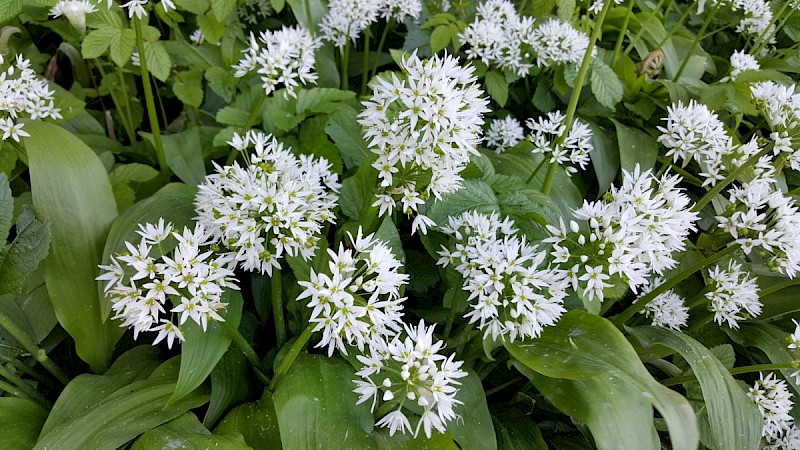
(345, 63)
(365, 63)
(277, 307)
(149, 100)
(777, 287)
(251, 120)
(769, 31)
(23, 386)
(696, 41)
(671, 283)
(621, 37)
(548, 178)
(247, 351)
(31, 347)
(708, 196)
(639, 33)
(385, 32)
(298, 346)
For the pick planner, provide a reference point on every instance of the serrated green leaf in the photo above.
(97, 42)
(222, 8)
(344, 130)
(606, 87)
(10, 9)
(6, 208)
(23, 254)
(497, 86)
(158, 60)
(121, 46)
(212, 28)
(133, 172)
(313, 100)
(440, 37)
(474, 195)
(188, 87)
(20, 422)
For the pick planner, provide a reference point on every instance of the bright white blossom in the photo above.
(282, 57)
(504, 134)
(155, 291)
(501, 37)
(22, 95)
(275, 205)
(556, 42)
(666, 310)
(347, 19)
(774, 401)
(547, 137)
(408, 369)
(400, 10)
(757, 20)
(733, 294)
(137, 7)
(740, 62)
(357, 299)
(780, 106)
(424, 125)
(254, 11)
(75, 11)
(512, 294)
(597, 5)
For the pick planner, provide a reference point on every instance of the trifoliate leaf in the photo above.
(158, 60)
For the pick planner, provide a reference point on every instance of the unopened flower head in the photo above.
(252, 12)
(424, 126)
(555, 42)
(511, 294)
(156, 290)
(283, 57)
(666, 310)
(75, 11)
(347, 19)
(22, 95)
(409, 372)
(733, 295)
(632, 233)
(763, 220)
(276, 204)
(504, 134)
(547, 137)
(358, 297)
(774, 401)
(500, 37)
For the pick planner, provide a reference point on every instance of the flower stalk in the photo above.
(149, 99)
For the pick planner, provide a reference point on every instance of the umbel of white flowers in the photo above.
(22, 95)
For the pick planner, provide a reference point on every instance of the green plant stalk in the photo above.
(536, 170)
(31, 347)
(639, 33)
(345, 62)
(381, 42)
(310, 20)
(247, 351)
(23, 368)
(24, 387)
(365, 64)
(770, 30)
(696, 41)
(623, 29)
(298, 346)
(777, 287)
(735, 371)
(708, 196)
(251, 120)
(548, 178)
(12, 390)
(277, 307)
(149, 100)
(125, 110)
(670, 283)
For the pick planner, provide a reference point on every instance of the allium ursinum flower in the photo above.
(774, 401)
(276, 204)
(192, 278)
(633, 232)
(347, 19)
(424, 126)
(510, 294)
(780, 106)
(667, 310)
(740, 62)
(757, 18)
(504, 134)
(500, 37)
(408, 372)
(597, 5)
(22, 95)
(547, 139)
(137, 7)
(197, 37)
(763, 220)
(358, 297)
(399, 10)
(556, 42)
(282, 57)
(254, 11)
(75, 11)
(789, 441)
(733, 294)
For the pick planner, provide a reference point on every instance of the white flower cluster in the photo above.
(762, 219)
(282, 57)
(358, 298)
(556, 42)
(136, 7)
(499, 36)
(424, 127)
(413, 375)
(347, 19)
(733, 294)
(399, 10)
(633, 233)
(276, 204)
(693, 132)
(254, 11)
(740, 62)
(666, 310)
(774, 401)
(547, 137)
(504, 134)
(757, 19)
(597, 6)
(780, 106)
(510, 294)
(22, 95)
(190, 276)
(75, 11)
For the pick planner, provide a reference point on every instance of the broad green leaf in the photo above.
(772, 341)
(20, 422)
(734, 419)
(474, 195)
(345, 132)
(318, 9)
(318, 100)
(542, 8)
(184, 152)
(515, 430)
(188, 87)
(96, 42)
(440, 37)
(605, 157)
(10, 9)
(615, 412)
(121, 46)
(497, 86)
(22, 255)
(388, 233)
(222, 8)
(212, 28)
(202, 350)
(635, 147)
(256, 421)
(358, 191)
(36, 307)
(584, 346)
(158, 60)
(314, 141)
(230, 115)
(174, 203)
(186, 432)
(316, 406)
(72, 194)
(475, 431)
(222, 82)
(229, 385)
(606, 87)
(402, 441)
(6, 208)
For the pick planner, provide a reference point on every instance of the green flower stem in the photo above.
(18, 365)
(297, 346)
(770, 31)
(639, 33)
(621, 37)
(251, 120)
(382, 41)
(24, 387)
(149, 100)
(345, 62)
(247, 350)
(365, 63)
(31, 347)
(777, 287)
(735, 371)
(548, 178)
(696, 41)
(708, 196)
(277, 307)
(451, 317)
(12, 390)
(670, 283)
